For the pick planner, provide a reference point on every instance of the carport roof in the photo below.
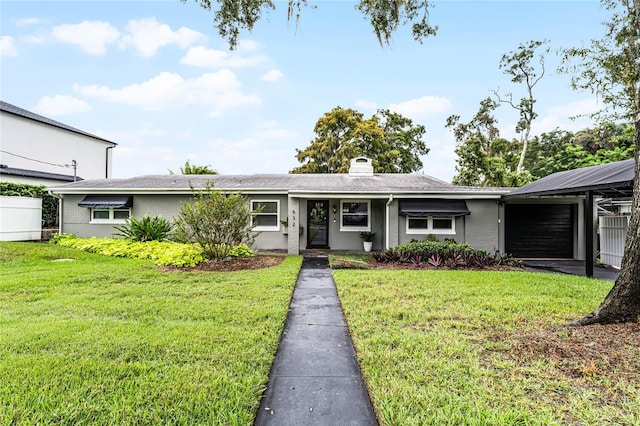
(607, 179)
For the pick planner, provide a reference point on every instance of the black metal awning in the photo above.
(612, 179)
(433, 207)
(106, 201)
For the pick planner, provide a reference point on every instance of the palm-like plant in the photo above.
(146, 228)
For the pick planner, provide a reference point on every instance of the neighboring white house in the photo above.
(37, 150)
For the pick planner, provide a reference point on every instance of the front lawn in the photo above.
(481, 348)
(89, 339)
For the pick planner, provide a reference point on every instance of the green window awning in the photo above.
(106, 201)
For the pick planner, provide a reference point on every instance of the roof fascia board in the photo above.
(293, 193)
(68, 129)
(155, 191)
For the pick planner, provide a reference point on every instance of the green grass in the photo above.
(438, 348)
(102, 340)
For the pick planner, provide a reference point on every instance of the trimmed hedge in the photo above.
(49, 202)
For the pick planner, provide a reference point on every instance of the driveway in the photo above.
(571, 267)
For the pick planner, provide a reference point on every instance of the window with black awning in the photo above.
(433, 207)
(106, 201)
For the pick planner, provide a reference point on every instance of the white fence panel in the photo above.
(613, 233)
(20, 218)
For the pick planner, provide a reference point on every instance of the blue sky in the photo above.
(154, 76)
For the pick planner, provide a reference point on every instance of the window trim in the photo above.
(111, 219)
(275, 227)
(429, 229)
(347, 228)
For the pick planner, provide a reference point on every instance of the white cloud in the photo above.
(33, 39)
(560, 116)
(270, 129)
(366, 105)
(148, 35)
(248, 46)
(236, 156)
(61, 105)
(212, 58)
(421, 108)
(572, 109)
(272, 76)
(91, 36)
(220, 91)
(27, 21)
(7, 47)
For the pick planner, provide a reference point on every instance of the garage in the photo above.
(540, 230)
(529, 236)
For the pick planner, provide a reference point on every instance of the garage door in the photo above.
(539, 230)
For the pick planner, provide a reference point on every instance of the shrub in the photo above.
(241, 250)
(163, 253)
(215, 221)
(146, 229)
(447, 254)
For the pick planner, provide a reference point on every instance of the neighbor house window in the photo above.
(105, 215)
(431, 225)
(355, 216)
(266, 215)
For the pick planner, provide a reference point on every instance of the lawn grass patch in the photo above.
(449, 347)
(89, 339)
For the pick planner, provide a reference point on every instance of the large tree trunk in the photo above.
(622, 304)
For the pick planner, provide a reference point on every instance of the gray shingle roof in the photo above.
(11, 171)
(281, 183)
(12, 109)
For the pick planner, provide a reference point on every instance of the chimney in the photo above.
(361, 166)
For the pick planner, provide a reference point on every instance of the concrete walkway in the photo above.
(315, 378)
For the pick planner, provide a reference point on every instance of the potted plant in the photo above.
(285, 226)
(367, 239)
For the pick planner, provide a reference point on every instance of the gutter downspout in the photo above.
(106, 162)
(59, 197)
(386, 231)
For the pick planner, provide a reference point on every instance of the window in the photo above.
(267, 217)
(108, 215)
(431, 225)
(354, 216)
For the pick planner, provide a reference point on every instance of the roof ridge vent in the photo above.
(361, 166)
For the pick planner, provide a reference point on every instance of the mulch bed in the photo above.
(237, 264)
(597, 350)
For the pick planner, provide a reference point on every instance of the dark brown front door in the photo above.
(318, 223)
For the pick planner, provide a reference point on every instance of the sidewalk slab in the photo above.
(315, 378)
(305, 401)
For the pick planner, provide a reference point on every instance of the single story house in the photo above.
(552, 218)
(304, 211)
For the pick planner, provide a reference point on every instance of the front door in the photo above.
(318, 224)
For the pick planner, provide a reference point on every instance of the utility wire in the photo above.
(38, 161)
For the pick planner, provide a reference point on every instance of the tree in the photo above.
(518, 65)
(192, 169)
(216, 222)
(385, 16)
(484, 158)
(610, 67)
(392, 141)
(560, 150)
